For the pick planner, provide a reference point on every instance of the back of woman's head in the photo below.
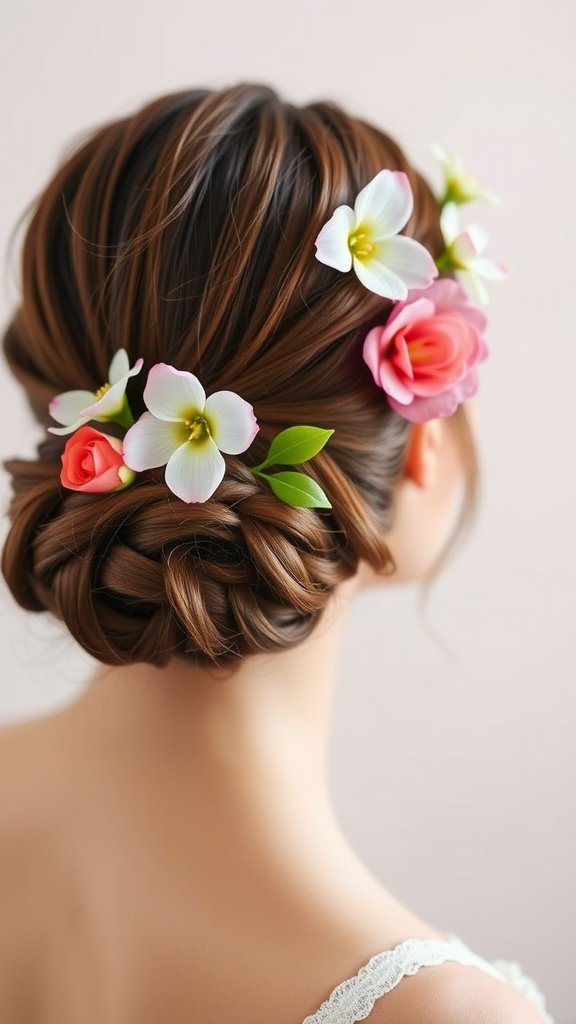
(185, 234)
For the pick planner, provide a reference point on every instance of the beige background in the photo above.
(453, 754)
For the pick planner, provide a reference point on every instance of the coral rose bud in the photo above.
(93, 461)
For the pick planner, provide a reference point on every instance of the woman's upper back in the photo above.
(90, 935)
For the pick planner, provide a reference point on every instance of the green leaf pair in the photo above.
(289, 448)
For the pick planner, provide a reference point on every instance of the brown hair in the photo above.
(185, 233)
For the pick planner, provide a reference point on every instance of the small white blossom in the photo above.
(459, 185)
(464, 252)
(73, 408)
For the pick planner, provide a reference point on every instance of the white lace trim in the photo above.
(353, 999)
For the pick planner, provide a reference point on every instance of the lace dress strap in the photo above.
(353, 999)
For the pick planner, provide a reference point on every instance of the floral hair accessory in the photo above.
(366, 239)
(464, 253)
(425, 353)
(93, 461)
(187, 432)
(460, 186)
(425, 356)
(108, 403)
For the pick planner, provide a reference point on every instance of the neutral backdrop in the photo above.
(453, 744)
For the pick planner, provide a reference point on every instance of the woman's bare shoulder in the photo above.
(453, 993)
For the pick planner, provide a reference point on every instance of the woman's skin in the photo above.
(171, 853)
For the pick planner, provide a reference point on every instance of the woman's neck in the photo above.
(219, 784)
(252, 743)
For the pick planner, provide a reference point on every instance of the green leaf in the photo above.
(295, 445)
(297, 489)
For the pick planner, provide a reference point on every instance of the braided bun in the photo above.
(139, 576)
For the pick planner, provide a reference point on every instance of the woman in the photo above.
(170, 850)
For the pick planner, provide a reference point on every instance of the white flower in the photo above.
(73, 408)
(464, 253)
(366, 238)
(186, 431)
(459, 186)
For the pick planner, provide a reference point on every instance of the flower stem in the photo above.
(444, 262)
(124, 417)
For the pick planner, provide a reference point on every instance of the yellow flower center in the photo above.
(418, 352)
(198, 427)
(102, 391)
(461, 188)
(360, 243)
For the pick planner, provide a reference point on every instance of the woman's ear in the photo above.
(423, 451)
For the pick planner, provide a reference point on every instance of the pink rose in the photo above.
(92, 461)
(425, 356)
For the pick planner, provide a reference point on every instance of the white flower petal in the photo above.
(473, 285)
(378, 278)
(195, 470)
(385, 203)
(119, 366)
(488, 268)
(462, 249)
(172, 394)
(232, 421)
(409, 260)
(477, 236)
(150, 442)
(108, 405)
(70, 428)
(332, 241)
(456, 165)
(66, 408)
(450, 222)
(487, 196)
(450, 162)
(439, 152)
(136, 368)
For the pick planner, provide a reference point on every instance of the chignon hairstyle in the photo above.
(184, 233)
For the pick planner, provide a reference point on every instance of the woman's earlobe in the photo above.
(423, 452)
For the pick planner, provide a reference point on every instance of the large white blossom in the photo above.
(187, 432)
(366, 239)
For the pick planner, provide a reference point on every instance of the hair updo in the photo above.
(185, 234)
